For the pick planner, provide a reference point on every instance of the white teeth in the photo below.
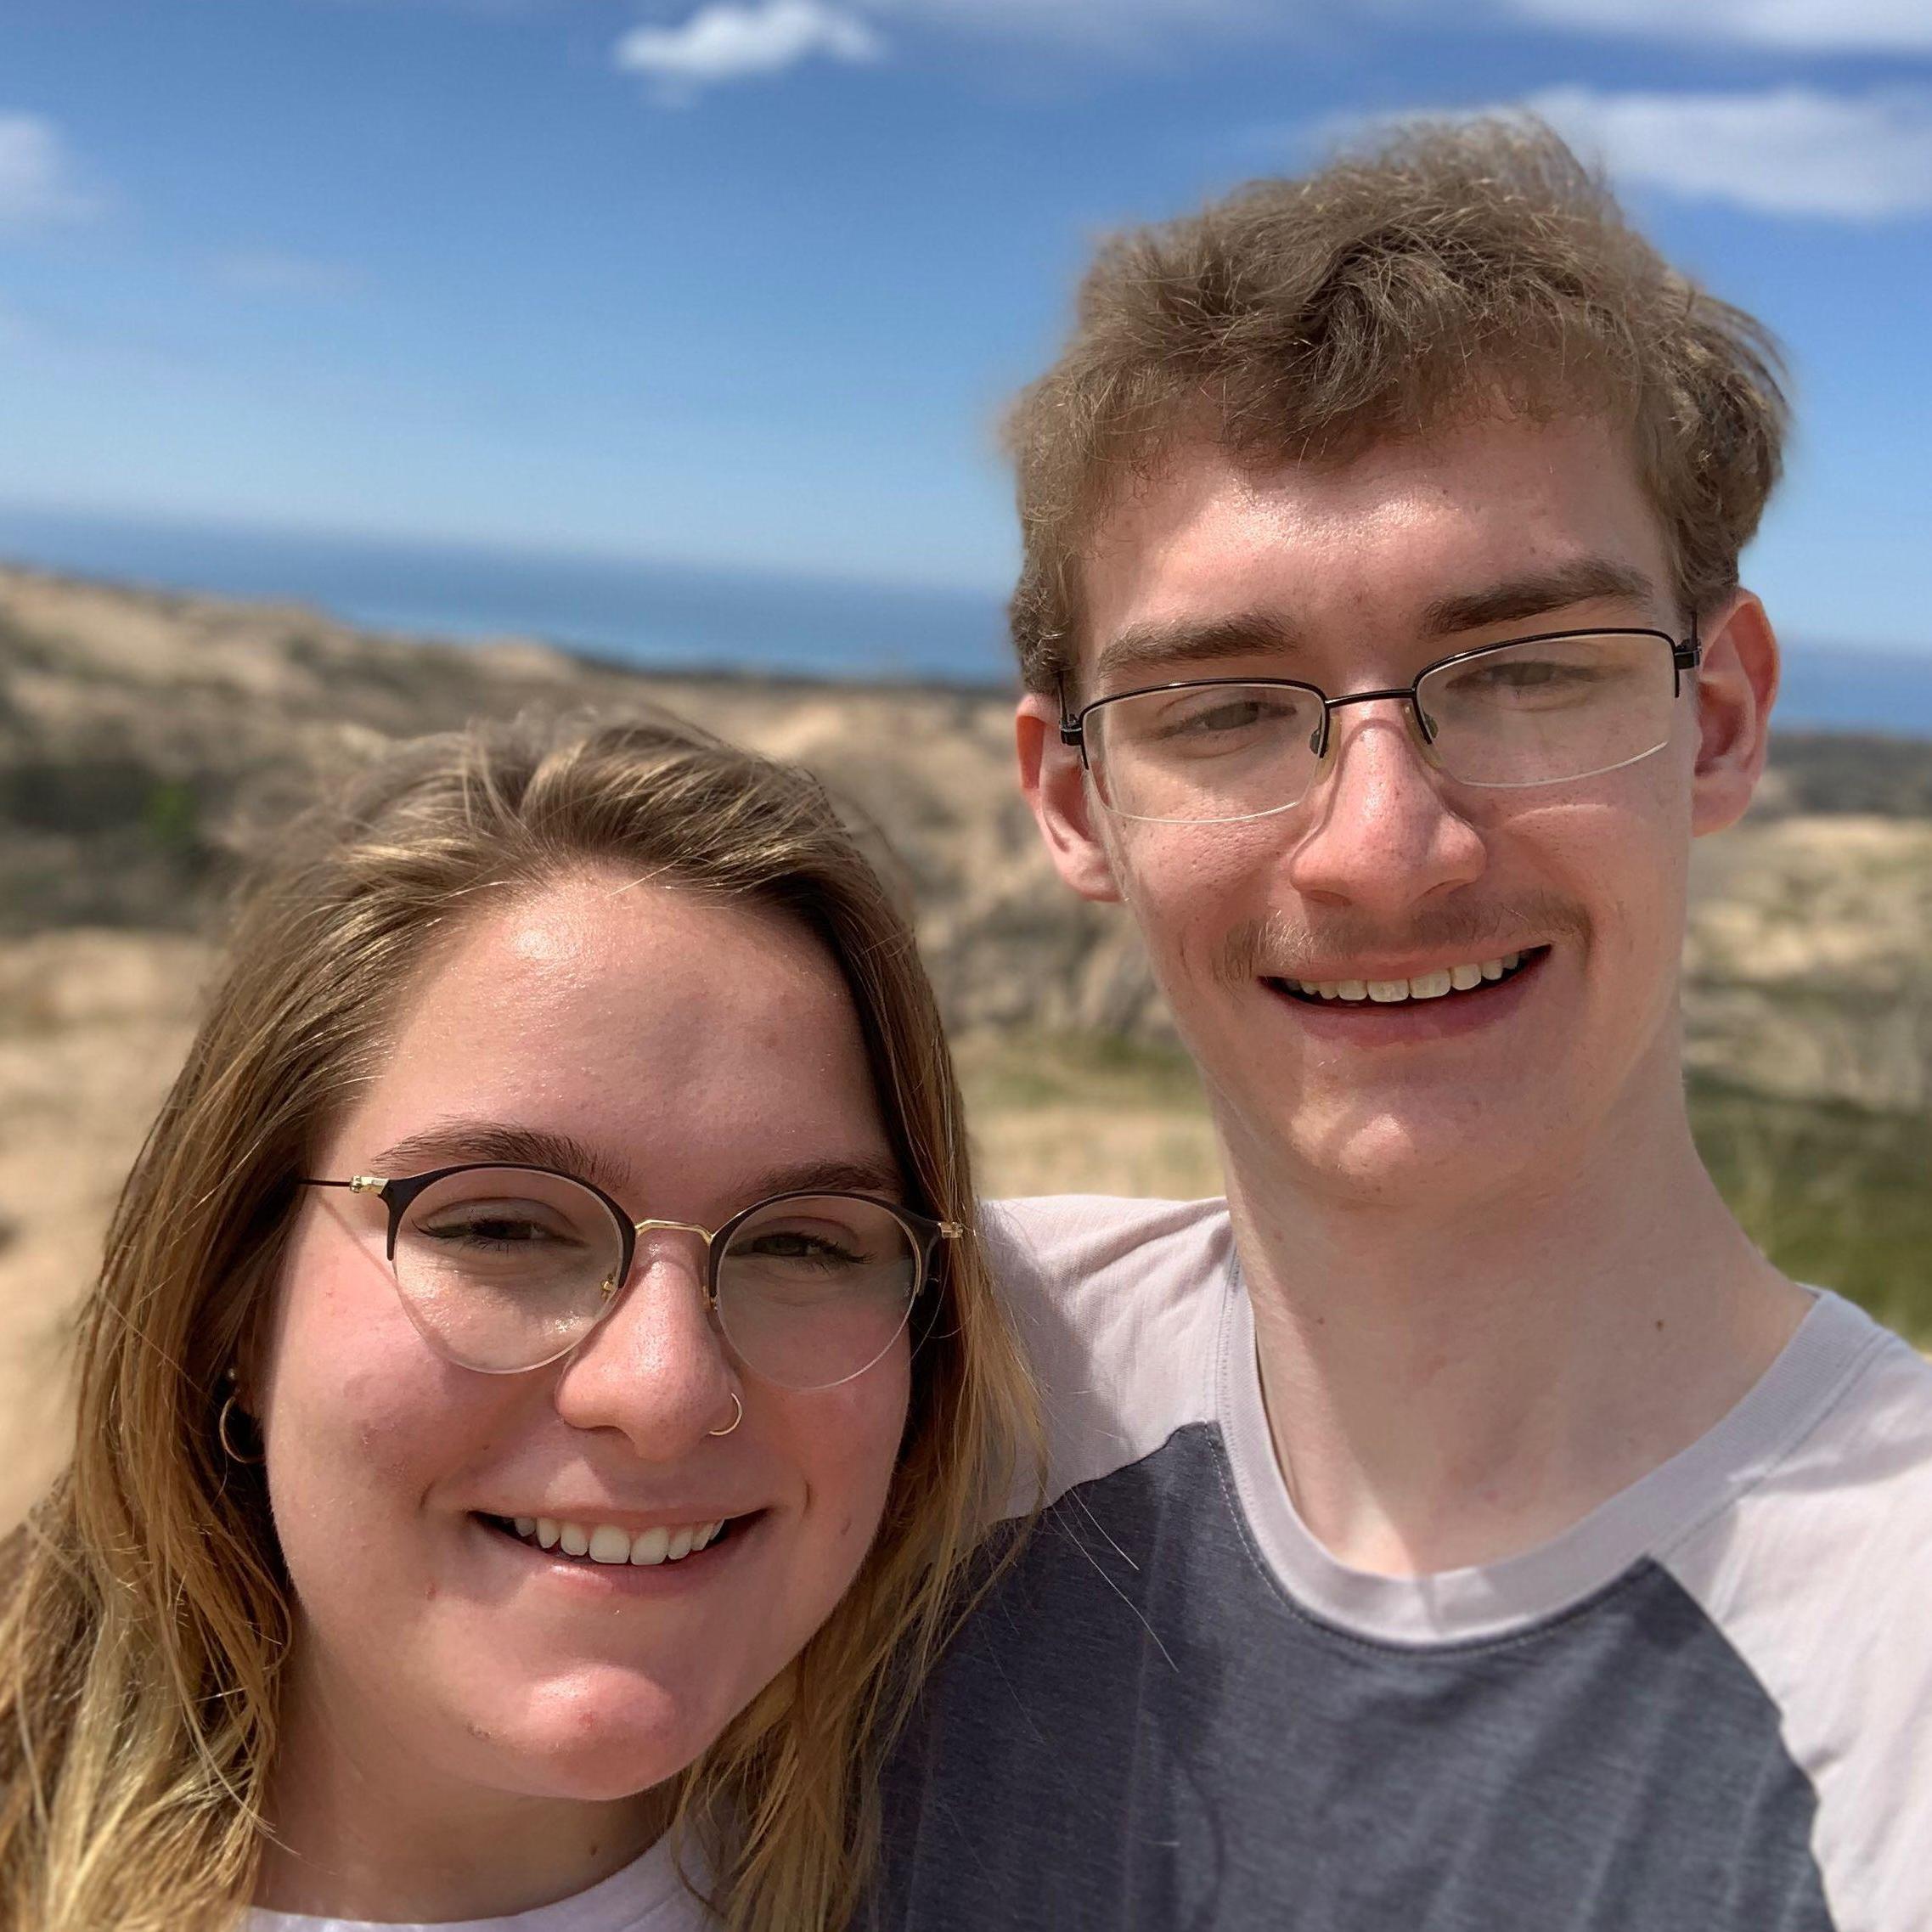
(609, 1545)
(606, 1543)
(1432, 985)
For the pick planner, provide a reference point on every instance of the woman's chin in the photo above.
(601, 1742)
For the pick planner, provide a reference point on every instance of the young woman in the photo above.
(542, 1388)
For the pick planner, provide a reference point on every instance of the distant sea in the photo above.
(670, 616)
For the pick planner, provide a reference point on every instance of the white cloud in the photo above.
(1130, 23)
(39, 187)
(731, 39)
(729, 42)
(1872, 25)
(272, 271)
(1789, 151)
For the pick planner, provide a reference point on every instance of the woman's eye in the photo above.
(489, 1230)
(797, 1245)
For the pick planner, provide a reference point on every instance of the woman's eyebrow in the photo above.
(865, 1176)
(451, 1142)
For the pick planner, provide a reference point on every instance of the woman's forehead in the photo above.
(643, 1023)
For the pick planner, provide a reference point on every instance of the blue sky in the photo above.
(744, 284)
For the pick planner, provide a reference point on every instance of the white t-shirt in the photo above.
(647, 1895)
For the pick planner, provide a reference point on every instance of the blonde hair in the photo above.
(147, 1610)
(1457, 268)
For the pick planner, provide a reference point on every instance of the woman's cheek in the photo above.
(856, 1450)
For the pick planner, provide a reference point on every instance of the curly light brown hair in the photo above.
(1457, 269)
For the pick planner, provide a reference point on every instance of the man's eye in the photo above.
(1533, 675)
(1221, 717)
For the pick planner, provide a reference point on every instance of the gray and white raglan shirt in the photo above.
(1706, 1707)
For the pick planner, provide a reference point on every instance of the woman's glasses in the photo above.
(503, 1268)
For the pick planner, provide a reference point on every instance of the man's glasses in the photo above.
(1535, 711)
(505, 1268)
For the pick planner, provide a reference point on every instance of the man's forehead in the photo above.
(1174, 645)
(1205, 557)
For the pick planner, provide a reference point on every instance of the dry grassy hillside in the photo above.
(147, 741)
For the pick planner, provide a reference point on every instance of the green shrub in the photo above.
(1833, 1194)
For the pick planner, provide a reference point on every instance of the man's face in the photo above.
(1356, 578)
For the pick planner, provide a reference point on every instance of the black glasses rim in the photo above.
(398, 1192)
(1686, 654)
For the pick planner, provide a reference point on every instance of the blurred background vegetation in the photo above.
(1833, 1192)
(150, 742)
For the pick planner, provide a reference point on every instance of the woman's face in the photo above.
(691, 1057)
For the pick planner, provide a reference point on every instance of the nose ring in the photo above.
(737, 1416)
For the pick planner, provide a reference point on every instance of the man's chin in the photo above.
(1405, 1150)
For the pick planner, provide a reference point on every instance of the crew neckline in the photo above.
(629, 1900)
(1485, 1602)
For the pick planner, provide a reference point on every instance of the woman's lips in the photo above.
(611, 1549)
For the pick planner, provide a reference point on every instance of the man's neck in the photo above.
(1453, 1382)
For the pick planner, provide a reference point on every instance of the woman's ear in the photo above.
(1736, 685)
(1054, 779)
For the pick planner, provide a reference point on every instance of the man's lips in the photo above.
(1386, 987)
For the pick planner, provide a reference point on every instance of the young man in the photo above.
(1463, 1526)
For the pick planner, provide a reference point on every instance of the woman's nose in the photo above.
(654, 1368)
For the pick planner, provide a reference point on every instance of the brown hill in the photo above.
(147, 741)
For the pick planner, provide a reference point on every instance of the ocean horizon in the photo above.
(665, 617)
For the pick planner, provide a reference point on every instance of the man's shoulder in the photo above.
(1120, 1305)
(1068, 1237)
(1841, 1507)
(1818, 1573)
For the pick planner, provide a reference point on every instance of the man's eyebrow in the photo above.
(1583, 580)
(451, 1142)
(1181, 644)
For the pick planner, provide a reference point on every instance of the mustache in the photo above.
(1284, 945)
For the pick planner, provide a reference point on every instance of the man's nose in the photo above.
(654, 1368)
(1383, 836)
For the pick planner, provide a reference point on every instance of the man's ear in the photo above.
(1054, 782)
(1736, 683)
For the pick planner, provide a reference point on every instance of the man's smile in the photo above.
(1366, 986)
